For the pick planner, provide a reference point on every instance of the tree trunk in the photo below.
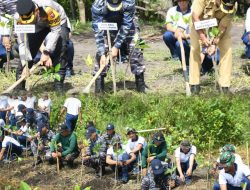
(81, 7)
(72, 9)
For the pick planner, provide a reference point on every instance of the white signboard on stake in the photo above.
(107, 26)
(24, 28)
(205, 24)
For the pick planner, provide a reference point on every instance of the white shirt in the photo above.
(184, 157)
(25, 130)
(176, 18)
(113, 155)
(225, 178)
(8, 139)
(13, 103)
(238, 159)
(72, 105)
(130, 146)
(44, 103)
(3, 102)
(247, 22)
(30, 102)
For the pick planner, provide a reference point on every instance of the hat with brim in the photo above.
(185, 144)
(157, 167)
(131, 130)
(26, 8)
(158, 137)
(90, 131)
(114, 5)
(227, 8)
(63, 127)
(226, 159)
(110, 126)
(21, 119)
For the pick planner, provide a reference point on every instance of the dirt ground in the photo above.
(162, 75)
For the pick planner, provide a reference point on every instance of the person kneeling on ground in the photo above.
(135, 144)
(10, 146)
(157, 177)
(116, 157)
(23, 133)
(40, 142)
(156, 149)
(185, 161)
(69, 149)
(233, 176)
(226, 148)
(95, 154)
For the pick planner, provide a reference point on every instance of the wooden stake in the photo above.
(184, 67)
(111, 62)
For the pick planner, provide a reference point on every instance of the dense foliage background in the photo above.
(203, 120)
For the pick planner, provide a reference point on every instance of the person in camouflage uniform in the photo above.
(6, 7)
(121, 12)
(111, 136)
(40, 142)
(95, 154)
(157, 178)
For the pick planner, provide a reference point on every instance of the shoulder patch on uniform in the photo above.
(53, 16)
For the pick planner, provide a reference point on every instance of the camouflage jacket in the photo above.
(123, 15)
(98, 144)
(110, 139)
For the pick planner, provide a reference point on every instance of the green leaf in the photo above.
(89, 61)
(57, 77)
(77, 187)
(57, 67)
(24, 186)
(87, 188)
(19, 159)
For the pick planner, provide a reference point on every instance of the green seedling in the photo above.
(77, 187)
(214, 32)
(52, 73)
(89, 61)
(24, 186)
(87, 188)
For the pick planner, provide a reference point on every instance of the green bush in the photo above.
(220, 119)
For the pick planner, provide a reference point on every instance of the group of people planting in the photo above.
(150, 160)
(204, 47)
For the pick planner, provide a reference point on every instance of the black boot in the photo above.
(99, 84)
(58, 85)
(19, 71)
(140, 84)
(195, 89)
(225, 90)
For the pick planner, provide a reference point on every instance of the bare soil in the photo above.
(162, 75)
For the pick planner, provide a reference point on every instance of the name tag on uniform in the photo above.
(30, 28)
(205, 24)
(107, 26)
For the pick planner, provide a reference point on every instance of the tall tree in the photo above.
(82, 13)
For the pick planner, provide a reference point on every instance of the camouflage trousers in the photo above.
(128, 48)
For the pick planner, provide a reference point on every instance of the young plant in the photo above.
(52, 73)
(89, 61)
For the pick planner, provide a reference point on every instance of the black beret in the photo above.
(25, 7)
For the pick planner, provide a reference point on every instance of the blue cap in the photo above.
(157, 167)
(20, 107)
(110, 126)
(90, 131)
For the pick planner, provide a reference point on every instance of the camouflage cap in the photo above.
(228, 6)
(185, 143)
(131, 130)
(227, 159)
(228, 148)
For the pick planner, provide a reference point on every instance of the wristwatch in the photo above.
(46, 52)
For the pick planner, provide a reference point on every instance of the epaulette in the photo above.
(53, 16)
